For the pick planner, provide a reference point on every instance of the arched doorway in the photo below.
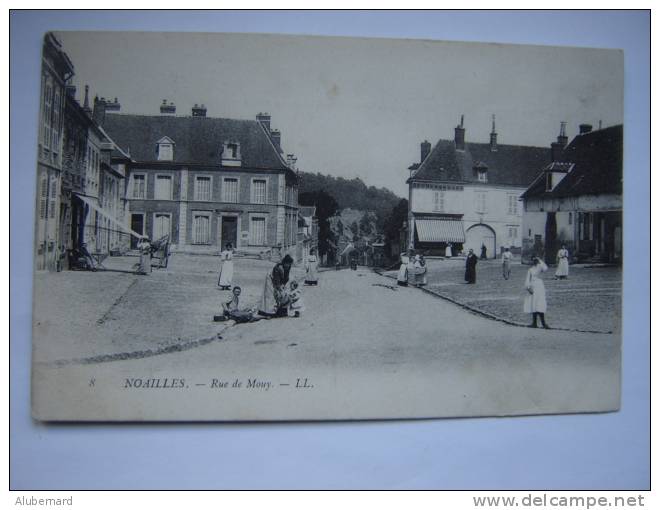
(478, 235)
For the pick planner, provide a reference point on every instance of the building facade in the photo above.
(205, 182)
(467, 194)
(577, 200)
(56, 69)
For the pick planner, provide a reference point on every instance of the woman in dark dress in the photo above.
(275, 300)
(471, 267)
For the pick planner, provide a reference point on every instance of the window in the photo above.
(231, 154)
(230, 190)
(202, 188)
(163, 187)
(43, 200)
(480, 202)
(513, 233)
(55, 146)
(280, 191)
(513, 205)
(53, 196)
(570, 218)
(482, 176)
(258, 231)
(139, 186)
(201, 227)
(165, 152)
(439, 201)
(161, 225)
(548, 182)
(47, 116)
(258, 191)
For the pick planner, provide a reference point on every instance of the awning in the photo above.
(91, 202)
(432, 230)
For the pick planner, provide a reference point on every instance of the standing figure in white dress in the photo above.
(562, 263)
(311, 269)
(448, 251)
(227, 269)
(405, 268)
(535, 302)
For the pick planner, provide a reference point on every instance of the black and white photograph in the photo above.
(252, 227)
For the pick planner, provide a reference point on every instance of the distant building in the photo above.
(577, 199)
(56, 69)
(93, 190)
(467, 194)
(206, 181)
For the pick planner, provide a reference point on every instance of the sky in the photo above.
(356, 107)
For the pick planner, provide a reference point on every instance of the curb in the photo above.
(146, 353)
(490, 316)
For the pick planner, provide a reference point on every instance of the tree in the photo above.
(326, 207)
(365, 225)
(355, 230)
(394, 222)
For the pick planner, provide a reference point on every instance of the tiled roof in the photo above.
(198, 140)
(597, 166)
(515, 165)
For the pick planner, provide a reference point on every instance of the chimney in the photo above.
(86, 107)
(112, 106)
(585, 128)
(99, 110)
(493, 137)
(426, 150)
(276, 137)
(167, 109)
(71, 91)
(459, 136)
(264, 120)
(199, 111)
(557, 147)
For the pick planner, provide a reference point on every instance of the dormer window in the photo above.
(481, 171)
(231, 153)
(165, 149)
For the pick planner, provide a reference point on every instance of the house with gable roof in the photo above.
(206, 181)
(577, 200)
(467, 194)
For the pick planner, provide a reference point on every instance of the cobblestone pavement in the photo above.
(590, 299)
(81, 314)
(369, 348)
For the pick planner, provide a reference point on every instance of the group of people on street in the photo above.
(281, 296)
(412, 269)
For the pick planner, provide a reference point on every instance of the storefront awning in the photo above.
(91, 202)
(432, 230)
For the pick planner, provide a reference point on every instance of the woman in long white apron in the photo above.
(406, 262)
(227, 269)
(311, 276)
(562, 263)
(535, 302)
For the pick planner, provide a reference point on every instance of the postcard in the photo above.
(252, 227)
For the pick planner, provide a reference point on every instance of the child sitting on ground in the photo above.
(296, 306)
(231, 311)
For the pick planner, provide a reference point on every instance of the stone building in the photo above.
(56, 69)
(205, 181)
(93, 192)
(467, 194)
(577, 199)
